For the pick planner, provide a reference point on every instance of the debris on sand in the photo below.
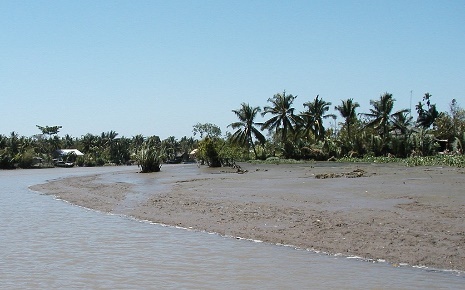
(353, 174)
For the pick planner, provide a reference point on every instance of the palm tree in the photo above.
(171, 147)
(347, 111)
(68, 141)
(283, 114)
(88, 143)
(14, 143)
(108, 146)
(426, 117)
(402, 121)
(381, 115)
(108, 139)
(315, 114)
(402, 126)
(187, 145)
(246, 127)
(136, 142)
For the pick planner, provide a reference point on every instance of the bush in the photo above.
(25, 160)
(149, 159)
(208, 151)
(6, 161)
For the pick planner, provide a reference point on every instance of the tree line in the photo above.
(106, 148)
(285, 133)
(382, 131)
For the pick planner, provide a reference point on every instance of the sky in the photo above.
(160, 67)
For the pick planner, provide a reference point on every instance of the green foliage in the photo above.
(436, 160)
(277, 160)
(49, 130)
(348, 111)
(459, 142)
(208, 130)
(88, 161)
(246, 129)
(230, 152)
(381, 119)
(374, 135)
(80, 161)
(25, 159)
(450, 125)
(312, 119)
(6, 160)
(376, 145)
(426, 117)
(149, 158)
(371, 159)
(423, 143)
(282, 111)
(288, 150)
(209, 149)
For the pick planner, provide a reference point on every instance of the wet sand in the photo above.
(385, 212)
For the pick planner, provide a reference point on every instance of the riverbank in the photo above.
(412, 215)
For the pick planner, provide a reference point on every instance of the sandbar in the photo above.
(379, 212)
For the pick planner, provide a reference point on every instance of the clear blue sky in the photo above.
(159, 67)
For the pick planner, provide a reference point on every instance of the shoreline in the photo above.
(401, 215)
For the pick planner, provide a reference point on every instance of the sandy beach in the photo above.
(411, 215)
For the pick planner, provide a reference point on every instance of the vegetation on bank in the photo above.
(149, 156)
(436, 160)
(380, 135)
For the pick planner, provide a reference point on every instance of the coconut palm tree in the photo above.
(283, 114)
(402, 121)
(426, 117)
(402, 126)
(171, 146)
(109, 138)
(246, 129)
(381, 115)
(136, 142)
(13, 143)
(88, 143)
(347, 111)
(68, 141)
(316, 112)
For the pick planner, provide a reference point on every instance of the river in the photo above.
(50, 244)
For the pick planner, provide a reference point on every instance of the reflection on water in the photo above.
(51, 244)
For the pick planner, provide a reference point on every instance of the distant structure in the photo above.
(64, 152)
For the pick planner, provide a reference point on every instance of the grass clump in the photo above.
(149, 158)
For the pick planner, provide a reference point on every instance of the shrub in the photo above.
(6, 161)
(25, 160)
(209, 151)
(149, 159)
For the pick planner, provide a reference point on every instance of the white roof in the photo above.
(67, 151)
(193, 152)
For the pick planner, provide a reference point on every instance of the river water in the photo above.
(49, 244)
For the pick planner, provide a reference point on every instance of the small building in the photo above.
(193, 154)
(64, 152)
(66, 157)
